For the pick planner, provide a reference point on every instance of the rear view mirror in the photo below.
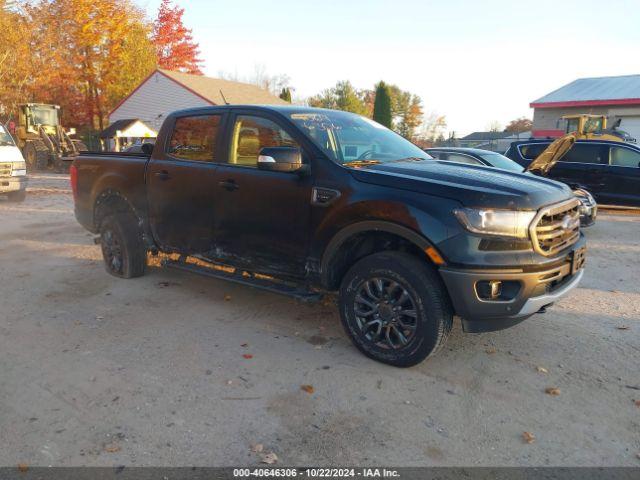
(147, 148)
(281, 159)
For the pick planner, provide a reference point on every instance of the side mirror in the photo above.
(147, 148)
(281, 159)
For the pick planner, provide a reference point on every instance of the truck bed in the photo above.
(122, 171)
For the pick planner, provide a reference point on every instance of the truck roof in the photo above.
(283, 109)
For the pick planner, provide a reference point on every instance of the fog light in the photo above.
(489, 289)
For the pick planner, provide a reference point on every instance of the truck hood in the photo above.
(473, 186)
(10, 153)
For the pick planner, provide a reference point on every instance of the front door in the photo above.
(181, 185)
(262, 217)
(583, 166)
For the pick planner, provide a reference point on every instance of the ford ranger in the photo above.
(304, 201)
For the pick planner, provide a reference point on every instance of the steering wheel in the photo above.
(366, 154)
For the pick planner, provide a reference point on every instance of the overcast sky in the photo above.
(473, 61)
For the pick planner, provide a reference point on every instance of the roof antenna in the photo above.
(225, 100)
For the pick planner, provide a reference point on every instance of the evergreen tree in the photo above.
(382, 105)
(285, 94)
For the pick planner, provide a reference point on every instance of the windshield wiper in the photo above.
(361, 163)
(413, 159)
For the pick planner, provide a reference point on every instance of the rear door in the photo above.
(181, 184)
(622, 177)
(262, 217)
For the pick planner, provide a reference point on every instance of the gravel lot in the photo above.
(152, 371)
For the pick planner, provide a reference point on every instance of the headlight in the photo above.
(18, 169)
(502, 223)
(584, 196)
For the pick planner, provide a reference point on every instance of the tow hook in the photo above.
(544, 308)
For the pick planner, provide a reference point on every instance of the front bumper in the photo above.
(12, 184)
(531, 292)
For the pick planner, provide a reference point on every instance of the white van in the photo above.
(13, 169)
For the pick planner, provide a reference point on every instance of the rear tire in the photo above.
(123, 249)
(17, 196)
(395, 308)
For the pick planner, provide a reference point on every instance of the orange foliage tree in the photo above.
(175, 48)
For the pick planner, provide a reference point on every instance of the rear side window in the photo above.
(532, 150)
(624, 157)
(583, 153)
(194, 138)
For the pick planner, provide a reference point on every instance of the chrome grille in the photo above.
(556, 227)
(5, 169)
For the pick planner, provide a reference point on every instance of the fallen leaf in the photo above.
(23, 467)
(491, 350)
(307, 388)
(269, 458)
(637, 402)
(622, 327)
(528, 437)
(227, 298)
(555, 391)
(112, 448)
(542, 370)
(247, 356)
(257, 447)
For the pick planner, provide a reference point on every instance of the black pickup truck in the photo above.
(304, 201)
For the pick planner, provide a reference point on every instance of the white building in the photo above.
(164, 91)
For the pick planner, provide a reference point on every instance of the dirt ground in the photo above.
(153, 371)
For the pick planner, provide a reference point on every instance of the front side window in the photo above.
(458, 158)
(252, 134)
(500, 161)
(624, 157)
(347, 138)
(584, 153)
(194, 138)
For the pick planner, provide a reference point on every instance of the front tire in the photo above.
(395, 308)
(123, 249)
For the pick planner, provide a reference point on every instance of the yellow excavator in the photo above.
(578, 127)
(594, 127)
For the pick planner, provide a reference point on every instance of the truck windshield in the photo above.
(5, 138)
(44, 116)
(348, 138)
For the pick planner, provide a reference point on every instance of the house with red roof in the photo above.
(616, 97)
(164, 91)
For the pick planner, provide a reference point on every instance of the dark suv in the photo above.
(610, 171)
(303, 201)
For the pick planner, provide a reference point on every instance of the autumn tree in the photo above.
(519, 125)
(494, 126)
(382, 105)
(343, 96)
(15, 59)
(175, 47)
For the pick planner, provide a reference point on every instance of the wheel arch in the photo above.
(357, 240)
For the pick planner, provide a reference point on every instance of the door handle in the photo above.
(229, 185)
(162, 175)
